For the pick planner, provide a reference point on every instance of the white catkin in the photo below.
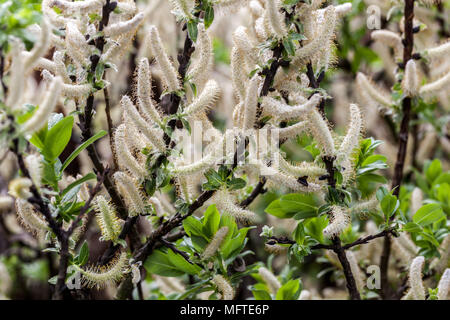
(440, 51)
(41, 63)
(301, 169)
(169, 73)
(100, 277)
(76, 45)
(283, 111)
(292, 131)
(205, 99)
(199, 70)
(270, 279)
(215, 243)
(343, 8)
(276, 18)
(40, 47)
(439, 264)
(305, 295)
(251, 103)
(71, 90)
(407, 243)
(224, 287)
(124, 156)
(416, 201)
(444, 285)
(436, 85)
(60, 66)
(183, 7)
(339, 221)
(321, 133)
(242, 40)
(144, 92)
(20, 188)
(83, 7)
(32, 220)
(324, 35)
(225, 203)
(357, 273)
(391, 39)
(16, 82)
(34, 166)
(410, 83)
(154, 135)
(40, 116)
(238, 73)
(351, 139)
(156, 204)
(129, 189)
(374, 93)
(107, 220)
(280, 179)
(415, 278)
(123, 27)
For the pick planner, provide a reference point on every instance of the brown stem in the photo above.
(350, 279)
(110, 125)
(403, 142)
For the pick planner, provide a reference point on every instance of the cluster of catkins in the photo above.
(426, 77)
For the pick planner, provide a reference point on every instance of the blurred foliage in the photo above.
(15, 16)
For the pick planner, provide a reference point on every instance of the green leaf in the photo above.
(211, 221)
(412, 227)
(159, 263)
(389, 205)
(192, 30)
(428, 214)
(303, 205)
(81, 147)
(193, 226)
(289, 46)
(261, 295)
(57, 138)
(83, 256)
(236, 184)
(89, 176)
(209, 16)
(433, 170)
(181, 264)
(289, 291)
(275, 209)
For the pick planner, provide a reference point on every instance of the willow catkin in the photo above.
(224, 287)
(215, 243)
(415, 278)
(270, 279)
(339, 221)
(444, 285)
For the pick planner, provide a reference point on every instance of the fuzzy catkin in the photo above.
(199, 70)
(321, 133)
(225, 203)
(124, 26)
(224, 287)
(153, 135)
(40, 47)
(275, 18)
(444, 285)
(215, 243)
(251, 103)
(41, 115)
(107, 219)
(130, 191)
(144, 92)
(100, 277)
(283, 111)
(169, 73)
(205, 99)
(124, 156)
(32, 220)
(351, 139)
(415, 278)
(339, 221)
(410, 83)
(270, 279)
(371, 91)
